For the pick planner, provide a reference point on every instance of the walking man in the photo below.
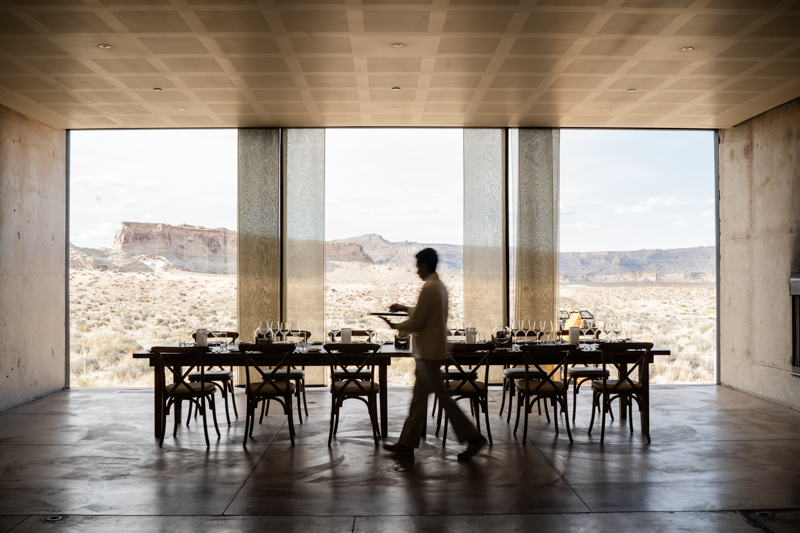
(428, 323)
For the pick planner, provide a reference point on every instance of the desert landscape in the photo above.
(127, 297)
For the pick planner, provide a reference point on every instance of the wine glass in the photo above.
(335, 329)
(536, 327)
(605, 327)
(525, 325)
(584, 326)
(296, 331)
(616, 328)
(547, 329)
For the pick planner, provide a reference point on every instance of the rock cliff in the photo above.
(192, 248)
(346, 251)
(382, 252)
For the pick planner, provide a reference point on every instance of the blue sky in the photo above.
(636, 189)
(620, 189)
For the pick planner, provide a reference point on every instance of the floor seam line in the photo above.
(255, 465)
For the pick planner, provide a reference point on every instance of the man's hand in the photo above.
(398, 308)
(387, 321)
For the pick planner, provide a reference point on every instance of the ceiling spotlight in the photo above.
(392, 108)
(631, 90)
(398, 45)
(156, 88)
(687, 48)
(606, 109)
(181, 109)
(395, 88)
(104, 46)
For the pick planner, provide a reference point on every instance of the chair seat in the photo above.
(349, 387)
(456, 387)
(297, 374)
(544, 388)
(519, 373)
(340, 374)
(184, 390)
(585, 372)
(275, 387)
(597, 385)
(213, 375)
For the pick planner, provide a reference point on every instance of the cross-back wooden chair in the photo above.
(219, 376)
(356, 333)
(629, 358)
(298, 375)
(174, 359)
(275, 382)
(350, 382)
(541, 383)
(467, 359)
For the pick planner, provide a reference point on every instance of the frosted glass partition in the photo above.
(485, 266)
(535, 176)
(259, 221)
(304, 235)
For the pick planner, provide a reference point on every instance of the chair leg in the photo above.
(214, 414)
(338, 408)
(263, 406)
(630, 414)
(163, 424)
(555, 413)
(224, 390)
(175, 416)
(435, 401)
(546, 412)
(528, 407)
(519, 404)
(444, 434)
(205, 423)
(594, 402)
(438, 420)
(233, 400)
(574, 397)
(566, 418)
(539, 407)
(503, 400)
(333, 416)
(247, 410)
(373, 418)
(511, 387)
(288, 402)
(474, 403)
(305, 405)
(189, 414)
(486, 416)
(603, 420)
(297, 394)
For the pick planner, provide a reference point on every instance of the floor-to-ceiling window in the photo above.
(637, 240)
(152, 245)
(388, 194)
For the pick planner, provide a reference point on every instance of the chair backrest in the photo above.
(475, 355)
(633, 354)
(188, 357)
(230, 335)
(348, 373)
(353, 333)
(554, 356)
(275, 373)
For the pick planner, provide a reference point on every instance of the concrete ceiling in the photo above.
(227, 63)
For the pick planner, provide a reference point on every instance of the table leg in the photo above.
(158, 394)
(177, 373)
(384, 394)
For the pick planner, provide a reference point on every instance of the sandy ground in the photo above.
(113, 314)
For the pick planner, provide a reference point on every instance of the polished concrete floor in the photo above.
(719, 460)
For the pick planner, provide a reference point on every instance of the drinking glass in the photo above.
(296, 331)
(537, 326)
(223, 340)
(547, 329)
(473, 327)
(335, 329)
(616, 328)
(584, 325)
(525, 325)
(605, 327)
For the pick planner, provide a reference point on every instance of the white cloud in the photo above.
(707, 201)
(667, 200)
(711, 225)
(708, 213)
(633, 209)
(581, 226)
(681, 224)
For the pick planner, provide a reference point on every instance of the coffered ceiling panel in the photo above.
(222, 63)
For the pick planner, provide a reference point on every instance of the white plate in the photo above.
(313, 350)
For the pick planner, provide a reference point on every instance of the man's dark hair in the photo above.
(429, 257)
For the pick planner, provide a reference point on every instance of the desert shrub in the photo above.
(111, 356)
(78, 348)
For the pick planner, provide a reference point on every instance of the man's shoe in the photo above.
(474, 446)
(399, 449)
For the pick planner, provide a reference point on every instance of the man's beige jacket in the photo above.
(428, 320)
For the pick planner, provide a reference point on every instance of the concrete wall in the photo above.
(33, 193)
(759, 250)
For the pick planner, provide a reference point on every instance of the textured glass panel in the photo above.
(304, 231)
(485, 293)
(259, 285)
(536, 247)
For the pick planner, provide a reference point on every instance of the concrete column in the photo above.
(33, 272)
(536, 225)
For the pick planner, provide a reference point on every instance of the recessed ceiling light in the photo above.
(181, 109)
(104, 46)
(687, 48)
(398, 45)
(392, 108)
(606, 109)
(631, 90)
(395, 88)
(156, 88)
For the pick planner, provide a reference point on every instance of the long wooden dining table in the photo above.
(231, 357)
